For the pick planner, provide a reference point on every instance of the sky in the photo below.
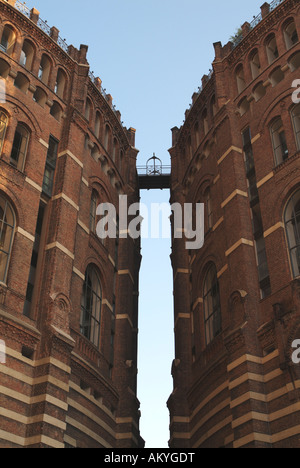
(150, 56)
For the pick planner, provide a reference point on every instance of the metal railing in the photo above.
(163, 170)
(256, 20)
(23, 8)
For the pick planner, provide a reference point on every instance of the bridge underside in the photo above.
(150, 182)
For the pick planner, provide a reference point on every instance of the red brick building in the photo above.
(68, 301)
(237, 300)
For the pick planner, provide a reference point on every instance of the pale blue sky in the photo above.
(151, 56)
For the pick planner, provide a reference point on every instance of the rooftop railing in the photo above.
(256, 20)
(23, 8)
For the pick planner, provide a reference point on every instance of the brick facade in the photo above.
(59, 386)
(235, 384)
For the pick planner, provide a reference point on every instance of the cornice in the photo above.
(265, 26)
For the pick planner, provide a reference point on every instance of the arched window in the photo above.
(197, 134)
(290, 34)
(280, 148)
(211, 305)
(27, 55)
(271, 49)
(44, 70)
(97, 125)
(276, 76)
(4, 69)
(213, 106)
(19, 149)
(60, 84)
(208, 208)
(294, 61)
(296, 123)
(8, 40)
(93, 209)
(243, 106)
(7, 227)
(259, 91)
(95, 153)
(189, 148)
(107, 138)
(115, 150)
(21, 82)
(292, 226)
(3, 127)
(91, 304)
(255, 64)
(40, 97)
(240, 78)
(205, 121)
(56, 111)
(88, 109)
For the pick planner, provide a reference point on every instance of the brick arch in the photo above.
(33, 122)
(97, 184)
(15, 203)
(208, 260)
(267, 117)
(93, 260)
(236, 310)
(60, 310)
(283, 198)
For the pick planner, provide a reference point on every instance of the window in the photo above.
(88, 108)
(29, 299)
(279, 142)
(259, 91)
(4, 69)
(27, 55)
(212, 307)
(276, 76)
(255, 64)
(50, 167)
(56, 111)
(44, 70)
(243, 106)
(93, 209)
(208, 208)
(197, 134)
(97, 125)
(3, 127)
(213, 106)
(107, 138)
(95, 153)
(60, 83)
(205, 121)
(8, 40)
(271, 48)
(22, 82)
(240, 79)
(189, 149)
(296, 123)
(290, 35)
(292, 226)
(20, 146)
(91, 304)
(294, 61)
(7, 227)
(40, 97)
(248, 152)
(115, 150)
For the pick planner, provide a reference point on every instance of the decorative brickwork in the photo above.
(63, 140)
(238, 152)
